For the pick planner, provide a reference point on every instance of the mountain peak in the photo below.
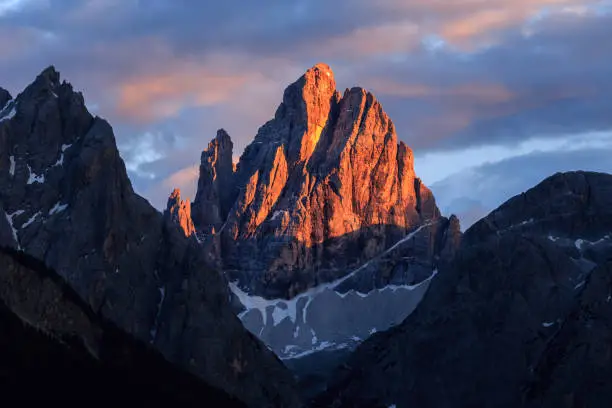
(222, 136)
(5, 96)
(175, 195)
(323, 70)
(48, 79)
(179, 212)
(326, 167)
(215, 185)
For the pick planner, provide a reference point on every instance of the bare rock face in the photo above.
(520, 317)
(179, 212)
(323, 187)
(51, 338)
(215, 186)
(5, 97)
(66, 200)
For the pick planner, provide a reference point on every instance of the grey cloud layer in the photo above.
(473, 193)
(498, 79)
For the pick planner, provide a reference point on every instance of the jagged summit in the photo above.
(179, 211)
(215, 185)
(327, 168)
(66, 200)
(5, 96)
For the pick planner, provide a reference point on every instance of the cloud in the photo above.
(453, 75)
(472, 192)
(153, 97)
(185, 179)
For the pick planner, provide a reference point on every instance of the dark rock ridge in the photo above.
(520, 317)
(215, 185)
(324, 187)
(5, 97)
(66, 200)
(51, 339)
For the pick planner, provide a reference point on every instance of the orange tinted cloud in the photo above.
(153, 97)
(462, 23)
(185, 179)
(485, 93)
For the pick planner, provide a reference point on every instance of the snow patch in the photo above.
(579, 243)
(315, 340)
(4, 115)
(326, 345)
(373, 330)
(548, 324)
(58, 208)
(34, 178)
(31, 220)
(282, 309)
(9, 218)
(12, 166)
(60, 161)
(579, 285)
(276, 215)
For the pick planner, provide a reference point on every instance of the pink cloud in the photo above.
(161, 95)
(185, 179)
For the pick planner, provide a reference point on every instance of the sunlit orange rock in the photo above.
(180, 212)
(324, 185)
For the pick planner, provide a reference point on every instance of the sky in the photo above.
(492, 95)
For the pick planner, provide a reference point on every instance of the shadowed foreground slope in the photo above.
(55, 350)
(522, 317)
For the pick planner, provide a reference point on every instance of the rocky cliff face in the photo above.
(324, 203)
(66, 200)
(178, 211)
(323, 228)
(519, 318)
(215, 186)
(323, 187)
(51, 339)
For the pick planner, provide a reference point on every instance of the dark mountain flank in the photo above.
(66, 200)
(520, 317)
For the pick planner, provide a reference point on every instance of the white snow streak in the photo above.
(11, 114)
(9, 218)
(31, 220)
(60, 161)
(547, 324)
(277, 214)
(579, 243)
(326, 345)
(289, 307)
(12, 167)
(58, 208)
(34, 178)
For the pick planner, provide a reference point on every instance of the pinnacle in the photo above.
(322, 70)
(176, 194)
(50, 75)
